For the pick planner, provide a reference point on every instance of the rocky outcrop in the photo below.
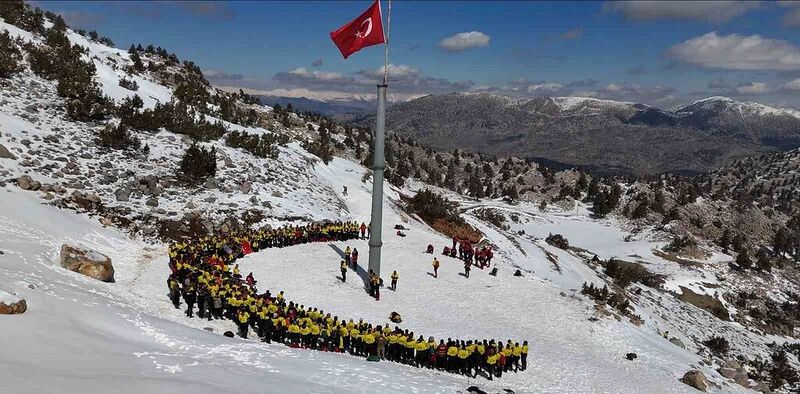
(696, 379)
(11, 304)
(87, 262)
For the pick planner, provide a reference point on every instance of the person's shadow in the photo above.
(359, 269)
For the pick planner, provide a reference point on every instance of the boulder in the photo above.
(742, 377)
(123, 194)
(696, 379)
(152, 201)
(87, 262)
(11, 304)
(732, 364)
(25, 182)
(6, 154)
(677, 342)
(728, 373)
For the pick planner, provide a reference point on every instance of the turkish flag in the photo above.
(364, 31)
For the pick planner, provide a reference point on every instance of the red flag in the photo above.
(364, 31)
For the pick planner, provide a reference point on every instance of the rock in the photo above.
(10, 304)
(246, 187)
(6, 154)
(228, 334)
(191, 205)
(152, 201)
(24, 182)
(762, 387)
(210, 199)
(631, 356)
(732, 364)
(696, 379)
(87, 262)
(123, 194)
(677, 342)
(277, 194)
(475, 390)
(727, 373)
(742, 377)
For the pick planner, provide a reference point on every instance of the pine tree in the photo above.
(10, 56)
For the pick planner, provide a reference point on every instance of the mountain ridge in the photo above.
(613, 136)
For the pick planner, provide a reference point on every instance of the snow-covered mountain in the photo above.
(85, 182)
(600, 135)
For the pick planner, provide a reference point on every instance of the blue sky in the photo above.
(660, 53)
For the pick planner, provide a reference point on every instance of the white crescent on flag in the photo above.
(369, 28)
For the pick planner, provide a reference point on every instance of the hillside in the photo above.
(127, 152)
(601, 135)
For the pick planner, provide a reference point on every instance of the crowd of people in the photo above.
(204, 274)
(480, 256)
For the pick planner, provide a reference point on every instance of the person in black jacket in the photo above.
(190, 297)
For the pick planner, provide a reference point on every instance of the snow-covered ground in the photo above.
(128, 332)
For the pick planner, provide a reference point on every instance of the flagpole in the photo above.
(378, 165)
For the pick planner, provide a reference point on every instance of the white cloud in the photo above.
(396, 71)
(710, 11)
(464, 41)
(737, 52)
(316, 75)
(753, 88)
(612, 87)
(792, 85)
(544, 87)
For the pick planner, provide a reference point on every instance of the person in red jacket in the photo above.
(251, 281)
(246, 248)
(363, 230)
(354, 257)
(441, 354)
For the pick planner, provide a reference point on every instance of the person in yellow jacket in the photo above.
(391, 341)
(452, 355)
(344, 333)
(305, 335)
(294, 334)
(435, 267)
(395, 276)
(524, 356)
(411, 344)
(343, 269)
(356, 344)
(491, 362)
(463, 354)
(515, 356)
(369, 343)
(242, 318)
(422, 352)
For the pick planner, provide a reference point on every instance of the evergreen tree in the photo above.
(10, 56)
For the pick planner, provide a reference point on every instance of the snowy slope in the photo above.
(81, 335)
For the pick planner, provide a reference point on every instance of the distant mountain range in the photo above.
(599, 135)
(322, 107)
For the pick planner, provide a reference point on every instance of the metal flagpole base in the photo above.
(376, 224)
